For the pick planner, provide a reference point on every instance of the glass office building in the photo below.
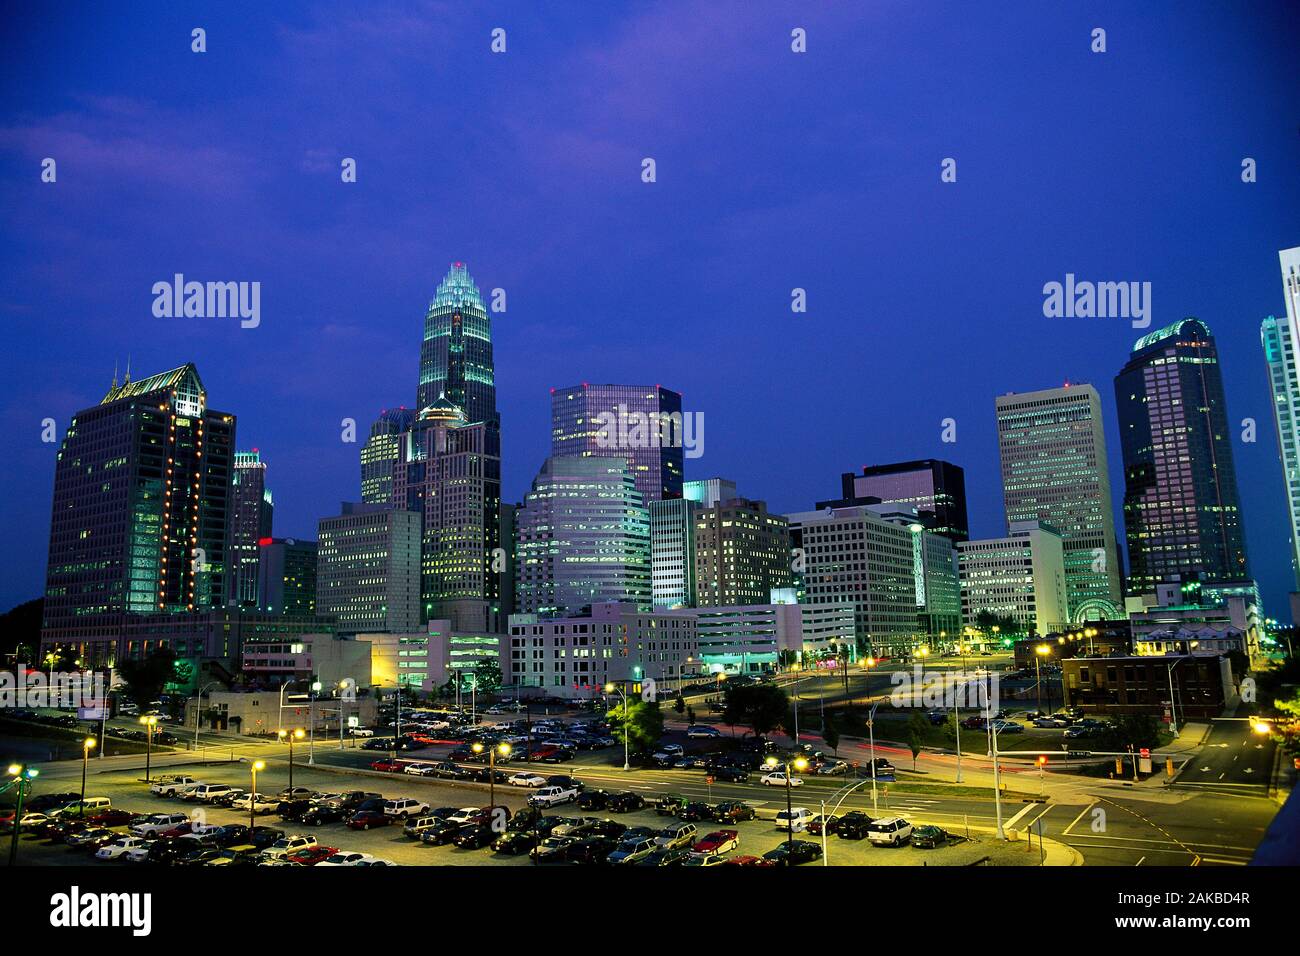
(1182, 513)
(381, 453)
(456, 358)
(251, 509)
(1279, 337)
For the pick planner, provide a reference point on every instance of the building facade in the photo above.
(1052, 445)
(672, 552)
(742, 553)
(641, 423)
(1182, 513)
(1125, 686)
(758, 638)
(456, 357)
(1021, 576)
(251, 509)
(141, 512)
(709, 492)
(368, 569)
(934, 489)
(1279, 337)
(287, 576)
(381, 453)
(429, 660)
(582, 537)
(577, 655)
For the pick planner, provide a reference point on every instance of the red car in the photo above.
(719, 841)
(179, 830)
(111, 818)
(387, 766)
(312, 855)
(365, 819)
(749, 861)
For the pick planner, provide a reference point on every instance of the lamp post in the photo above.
(291, 735)
(87, 746)
(871, 730)
(611, 689)
(311, 722)
(504, 748)
(23, 781)
(150, 721)
(799, 763)
(1041, 651)
(255, 766)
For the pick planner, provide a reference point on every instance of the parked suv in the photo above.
(892, 831)
(675, 835)
(405, 807)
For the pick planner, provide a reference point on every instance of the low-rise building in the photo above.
(755, 638)
(1174, 686)
(430, 659)
(271, 661)
(1021, 576)
(258, 713)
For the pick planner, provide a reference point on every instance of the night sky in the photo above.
(775, 170)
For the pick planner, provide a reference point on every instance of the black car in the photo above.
(564, 780)
(929, 837)
(377, 743)
(462, 753)
(169, 850)
(608, 828)
(592, 851)
(50, 801)
(324, 813)
(794, 853)
(544, 825)
(593, 800)
(524, 819)
(474, 837)
(852, 826)
(733, 812)
(263, 837)
(231, 834)
(695, 812)
(730, 774)
(440, 834)
(451, 771)
(625, 802)
(665, 857)
(515, 842)
(199, 857)
(353, 800)
(487, 774)
(293, 809)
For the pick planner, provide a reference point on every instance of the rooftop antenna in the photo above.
(127, 379)
(115, 373)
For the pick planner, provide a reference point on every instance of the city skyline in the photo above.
(337, 325)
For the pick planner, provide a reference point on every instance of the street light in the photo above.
(1041, 651)
(504, 749)
(798, 763)
(255, 766)
(87, 746)
(150, 721)
(611, 689)
(291, 735)
(198, 708)
(23, 777)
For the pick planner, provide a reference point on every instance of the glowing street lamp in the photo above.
(291, 735)
(87, 746)
(255, 766)
(800, 764)
(150, 721)
(502, 748)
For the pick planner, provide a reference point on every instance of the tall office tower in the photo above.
(642, 423)
(935, 489)
(672, 552)
(708, 492)
(286, 576)
(742, 552)
(456, 359)
(1182, 513)
(506, 564)
(250, 521)
(1054, 469)
(1022, 576)
(368, 569)
(450, 472)
(1280, 337)
(582, 538)
(856, 556)
(381, 452)
(141, 511)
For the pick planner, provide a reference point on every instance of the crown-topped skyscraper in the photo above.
(456, 358)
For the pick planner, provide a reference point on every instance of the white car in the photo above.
(348, 859)
(257, 803)
(119, 848)
(138, 854)
(552, 796)
(777, 779)
(892, 831)
(159, 822)
(465, 814)
(420, 769)
(362, 732)
(404, 807)
(526, 780)
(699, 732)
(796, 819)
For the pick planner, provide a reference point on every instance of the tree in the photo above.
(1135, 730)
(690, 715)
(643, 719)
(679, 704)
(143, 680)
(487, 676)
(917, 726)
(950, 728)
(830, 734)
(762, 706)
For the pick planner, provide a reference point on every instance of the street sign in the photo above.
(1145, 753)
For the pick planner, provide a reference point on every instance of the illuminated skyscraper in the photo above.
(742, 553)
(381, 452)
(141, 514)
(1053, 449)
(456, 359)
(250, 522)
(1280, 337)
(1182, 513)
(647, 413)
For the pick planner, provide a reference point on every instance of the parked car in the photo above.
(632, 851)
(552, 796)
(287, 845)
(367, 819)
(514, 842)
(717, 842)
(347, 859)
(675, 835)
(702, 732)
(526, 780)
(158, 823)
(404, 807)
(170, 786)
(695, 812)
(1050, 721)
(322, 813)
(118, 848)
(474, 836)
(793, 853)
(625, 802)
(854, 825)
(929, 837)
(821, 822)
(891, 831)
(777, 779)
(388, 766)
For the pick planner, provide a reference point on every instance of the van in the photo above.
(205, 792)
(795, 820)
(84, 808)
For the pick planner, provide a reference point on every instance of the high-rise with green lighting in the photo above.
(456, 358)
(1279, 337)
(141, 516)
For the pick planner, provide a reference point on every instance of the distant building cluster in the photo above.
(616, 566)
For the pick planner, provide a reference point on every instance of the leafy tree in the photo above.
(143, 680)
(644, 722)
(917, 726)
(679, 704)
(690, 715)
(831, 735)
(1134, 730)
(487, 676)
(763, 707)
(950, 728)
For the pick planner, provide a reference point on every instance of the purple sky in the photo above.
(775, 170)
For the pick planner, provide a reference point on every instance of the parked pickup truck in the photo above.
(553, 796)
(171, 786)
